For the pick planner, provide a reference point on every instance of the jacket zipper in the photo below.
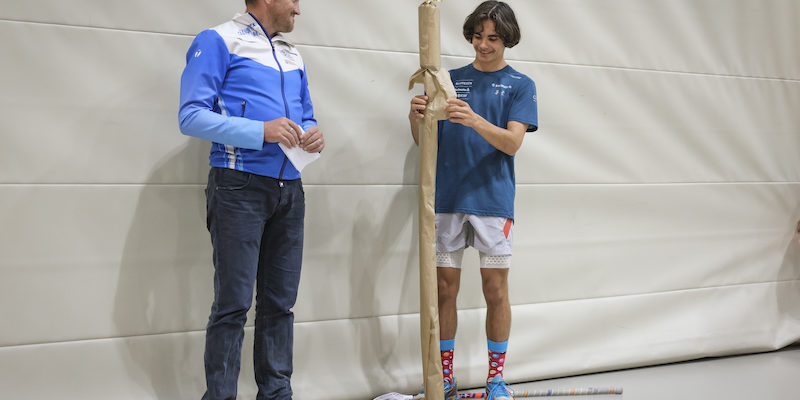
(283, 88)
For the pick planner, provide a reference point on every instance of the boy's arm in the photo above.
(508, 140)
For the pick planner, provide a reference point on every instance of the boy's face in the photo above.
(489, 47)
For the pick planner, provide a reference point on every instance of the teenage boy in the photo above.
(475, 183)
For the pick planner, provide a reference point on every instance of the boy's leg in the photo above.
(449, 280)
(498, 327)
(451, 236)
(494, 239)
(498, 313)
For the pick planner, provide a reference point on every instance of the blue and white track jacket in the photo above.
(237, 77)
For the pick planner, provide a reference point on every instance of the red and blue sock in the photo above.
(446, 347)
(497, 358)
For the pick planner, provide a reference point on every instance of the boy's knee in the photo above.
(448, 288)
(495, 292)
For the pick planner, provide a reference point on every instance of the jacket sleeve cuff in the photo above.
(253, 134)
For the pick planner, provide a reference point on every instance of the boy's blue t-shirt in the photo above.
(472, 176)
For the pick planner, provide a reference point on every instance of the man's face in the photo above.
(489, 47)
(282, 12)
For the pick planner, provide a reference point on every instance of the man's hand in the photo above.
(459, 112)
(312, 141)
(282, 130)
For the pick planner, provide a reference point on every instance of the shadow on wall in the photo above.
(787, 295)
(375, 240)
(164, 288)
(376, 264)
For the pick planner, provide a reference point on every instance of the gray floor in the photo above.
(764, 376)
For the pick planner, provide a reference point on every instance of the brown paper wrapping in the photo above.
(438, 85)
(429, 303)
(439, 88)
(430, 42)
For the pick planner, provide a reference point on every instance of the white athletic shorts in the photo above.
(493, 237)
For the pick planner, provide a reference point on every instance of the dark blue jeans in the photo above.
(256, 226)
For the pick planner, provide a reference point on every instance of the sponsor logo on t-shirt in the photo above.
(501, 89)
(463, 87)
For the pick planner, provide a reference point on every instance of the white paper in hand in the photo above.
(299, 157)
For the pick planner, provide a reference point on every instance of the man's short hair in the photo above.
(505, 22)
(249, 2)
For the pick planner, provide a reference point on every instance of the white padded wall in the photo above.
(655, 205)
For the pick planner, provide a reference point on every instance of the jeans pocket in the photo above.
(231, 179)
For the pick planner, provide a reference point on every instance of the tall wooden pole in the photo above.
(439, 88)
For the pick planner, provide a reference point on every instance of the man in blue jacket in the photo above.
(245, 90)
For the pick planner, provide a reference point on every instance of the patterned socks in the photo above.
(446, 347)
(497, 357)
